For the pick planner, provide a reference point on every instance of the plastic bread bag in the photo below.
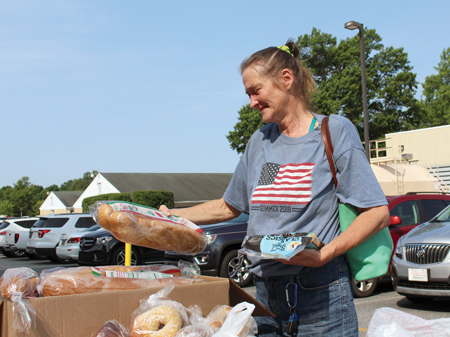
(111, 328)
(24, 316)
(82, 280)
(239, 322)
(148, 227)
(198, 325)
(22, 280)
(189, 269)
(159, 314)
(279, 246)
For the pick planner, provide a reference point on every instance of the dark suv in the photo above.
(101, 248)
(220, 256)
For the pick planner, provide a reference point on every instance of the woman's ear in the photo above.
(287, 78)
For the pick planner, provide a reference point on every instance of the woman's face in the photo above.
(264, 95)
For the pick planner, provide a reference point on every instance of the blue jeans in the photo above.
(324, 302)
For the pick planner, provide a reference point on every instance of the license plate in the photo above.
(418, 274)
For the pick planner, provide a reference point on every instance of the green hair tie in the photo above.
(286, 49)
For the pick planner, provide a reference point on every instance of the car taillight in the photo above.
(3, 233)
(73, 240)
(16, 237)
(42, 232)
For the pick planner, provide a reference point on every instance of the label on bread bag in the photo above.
(148, 275)
(153, 214)
(279, 246)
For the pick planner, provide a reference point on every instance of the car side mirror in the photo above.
(395, 220)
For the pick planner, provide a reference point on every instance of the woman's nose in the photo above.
(253, 102)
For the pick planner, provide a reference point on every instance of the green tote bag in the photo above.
(371, 258)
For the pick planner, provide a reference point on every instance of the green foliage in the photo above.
(108, 196)
(436, 92)
(250, 120)
(391, 84)
(6, 208)
(153, 198)
(79, 184)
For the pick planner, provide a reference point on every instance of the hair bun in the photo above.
(293, 48)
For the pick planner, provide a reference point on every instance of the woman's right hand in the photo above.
(165, 210)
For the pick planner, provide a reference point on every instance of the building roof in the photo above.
(68, 198)
(186, 187)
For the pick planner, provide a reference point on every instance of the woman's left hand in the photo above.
(307, 258)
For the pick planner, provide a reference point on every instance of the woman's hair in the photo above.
(273, 60)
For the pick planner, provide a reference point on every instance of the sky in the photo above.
(154, 86)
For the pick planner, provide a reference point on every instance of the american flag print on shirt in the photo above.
(284, 184)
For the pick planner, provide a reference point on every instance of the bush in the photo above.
(109, 196)
(153, 198)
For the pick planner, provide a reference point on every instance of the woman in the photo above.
(284, 182)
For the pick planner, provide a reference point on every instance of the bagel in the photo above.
(149, 323)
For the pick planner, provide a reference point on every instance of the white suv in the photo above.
(15, 225)
(46, 232)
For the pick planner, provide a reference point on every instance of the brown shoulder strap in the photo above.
(328, 146)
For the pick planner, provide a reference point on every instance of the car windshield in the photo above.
(444, 216)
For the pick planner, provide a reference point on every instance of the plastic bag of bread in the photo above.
(24, 315)
(198, 326)
(22, 280)
(158, 316)
(234, 321)
(111, 328)
(82, 280)
(148, 227)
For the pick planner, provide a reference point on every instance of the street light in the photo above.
(356, 25)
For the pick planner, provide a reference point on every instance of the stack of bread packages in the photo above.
(159, 316)
(148, 227)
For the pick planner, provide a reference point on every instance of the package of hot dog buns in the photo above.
(148, 227)
(82, 280)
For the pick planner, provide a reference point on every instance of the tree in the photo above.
(436, 92)
(6, 208)
(79, 184)
(250, 120)
(391, 84)
(336, 68)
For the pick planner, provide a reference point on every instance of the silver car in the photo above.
(421, 262)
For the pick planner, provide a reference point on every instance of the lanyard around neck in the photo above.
(313, 123)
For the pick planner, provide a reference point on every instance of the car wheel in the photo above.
(364, 288)
(18, 253)
(236, 269)
(420, 299)
(4, 252)
(118, 256)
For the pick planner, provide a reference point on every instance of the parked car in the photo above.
(220, 257)
(421, 263)
(46, 232)
(69, 244)
(100, 248)
(407, 211)
(21, 226)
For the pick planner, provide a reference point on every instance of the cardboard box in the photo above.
(81, 315)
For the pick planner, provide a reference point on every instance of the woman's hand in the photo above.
(308, 257)
(165, 210)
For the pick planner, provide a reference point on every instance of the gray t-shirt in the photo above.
(286, 185)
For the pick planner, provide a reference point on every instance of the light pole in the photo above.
(356, 25)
